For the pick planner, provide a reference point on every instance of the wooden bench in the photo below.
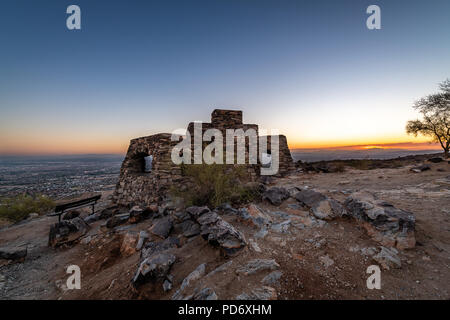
(60, 209)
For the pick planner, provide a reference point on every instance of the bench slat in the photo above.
(65, 206)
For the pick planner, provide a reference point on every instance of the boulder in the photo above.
(67, 232)
(154, 268)
(151, 248)
(91, 218)
(251, 217)
(196, 212)
(143, 235)
(320, 205)
(436, 160)
(117, 220)
(180, 216)
(189, 228)
(220, 233)
(192, 277)
(129, 242)
(13, 253)
(386, 224)
(162, 227)
(108, 212)
(275, 195)
(226, 208)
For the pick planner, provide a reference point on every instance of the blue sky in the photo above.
(308, 68)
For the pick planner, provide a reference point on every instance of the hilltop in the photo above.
(283, 246)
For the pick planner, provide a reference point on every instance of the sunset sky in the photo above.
(308, 68)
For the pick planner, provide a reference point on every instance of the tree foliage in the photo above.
(435, 112)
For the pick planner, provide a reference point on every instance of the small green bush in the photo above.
(19, 207)
(215, 184)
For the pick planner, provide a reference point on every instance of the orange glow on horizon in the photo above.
(399, 145)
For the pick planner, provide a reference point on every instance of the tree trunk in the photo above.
(446, 153)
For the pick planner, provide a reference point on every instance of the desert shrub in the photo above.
(19, 207)
(338, 167)
(363, 164)
(215, 184)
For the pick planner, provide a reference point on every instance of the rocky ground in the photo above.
(312, 236)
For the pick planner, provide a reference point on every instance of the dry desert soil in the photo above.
(320, 260)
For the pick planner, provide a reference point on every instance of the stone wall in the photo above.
(286, 164)
(136, 186)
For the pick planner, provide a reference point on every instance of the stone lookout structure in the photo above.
(147, 172)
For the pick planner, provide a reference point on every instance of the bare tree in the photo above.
(435, 123)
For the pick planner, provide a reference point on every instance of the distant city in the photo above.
(58, 176)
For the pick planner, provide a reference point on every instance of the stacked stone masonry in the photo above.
(136, 186)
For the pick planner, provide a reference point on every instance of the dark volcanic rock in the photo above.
(386, 224)
(196, 212)
(275, 195)
(189, 228)
(154, 268)
(108, 212)
(217, 231)
(181, 216)
(13, 253)
(153, 247)
(436, 160)
(320, 205)
(91, 218)
(162, 227)
(224, 235)
(117, 220)
(67, 231)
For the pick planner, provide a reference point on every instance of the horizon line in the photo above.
(405, 146)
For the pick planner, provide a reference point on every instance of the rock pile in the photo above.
(217, 231)
(386, 224)
(67, 232)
